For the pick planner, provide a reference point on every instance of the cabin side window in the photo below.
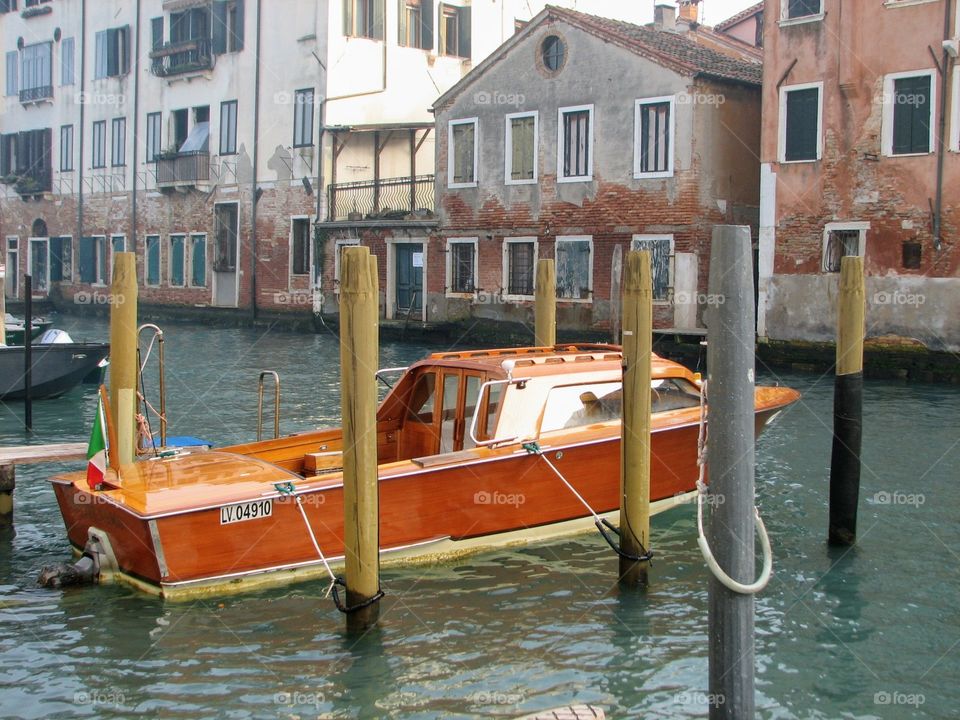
(422, 399)
(577, 405)
(673, 394)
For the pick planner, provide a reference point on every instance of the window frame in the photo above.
(785, 20)
(782, 122)
(561, 112)
(887, 119)
(230, 127)
(101, 265)
(590, 259)
(861, 226)
(451, 155)
(157, 136)
(11, 68)
(351, 27)
(66, 148)
(667, 298)
(300, 121)
(146, 260)
(448, 284)
(121, 148)
(68, 60)
(98, 160)
(291, 258)
(508, 148)
(505, 267)
(638, 174)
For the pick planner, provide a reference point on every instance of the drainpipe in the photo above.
(83, 86)
(256, 153)
(941, 140)
(136, 134)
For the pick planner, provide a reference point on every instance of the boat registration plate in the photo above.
(246, 511)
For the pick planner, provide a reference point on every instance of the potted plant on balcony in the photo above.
(26, 185)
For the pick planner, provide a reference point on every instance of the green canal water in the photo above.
(870, 632)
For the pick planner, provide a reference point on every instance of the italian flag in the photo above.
(97, 449)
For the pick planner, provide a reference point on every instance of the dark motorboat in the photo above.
(15, 329)
(58, 365)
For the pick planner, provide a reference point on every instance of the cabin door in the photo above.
(458, 402)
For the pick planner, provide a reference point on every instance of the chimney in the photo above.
(689, 10)
(664, 17)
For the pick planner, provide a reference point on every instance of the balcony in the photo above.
(31, 182)
(183, 168)
(386, 199)
(34, 94)
(177, 58)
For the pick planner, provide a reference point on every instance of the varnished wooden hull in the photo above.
(471, 501)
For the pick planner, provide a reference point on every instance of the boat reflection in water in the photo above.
(454, 473)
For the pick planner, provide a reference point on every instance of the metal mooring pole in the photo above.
(847, 405)
(730, 366)
(545, 319)
(359, 355)
(28, 351)
(635, 428)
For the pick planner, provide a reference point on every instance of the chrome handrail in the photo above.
(476, 411)
(158, 337)
(384, 371)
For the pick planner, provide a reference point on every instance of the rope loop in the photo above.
(348, 609)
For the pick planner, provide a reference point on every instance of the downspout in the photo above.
(256, 153)
(83, 86)
(136, 134)
(942, 127)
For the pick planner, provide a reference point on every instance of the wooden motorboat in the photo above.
(455, 473)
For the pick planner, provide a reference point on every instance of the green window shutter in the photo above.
(802, 111)
(911, 115)
(463, 26)
(426, 26)
(239, 29)
(156, 32)
(88, 271)
(219, 26)
(153, 260)
(176, 260)
(198, 257)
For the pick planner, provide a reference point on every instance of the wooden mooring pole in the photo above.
(28, 352)
(3, 306)
(545, 295)
(730, 457)
(123, 353)
(847, 405)
(8, 483)
(635, 428)
(359, 357)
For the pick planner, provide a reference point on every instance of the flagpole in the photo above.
(113, 458)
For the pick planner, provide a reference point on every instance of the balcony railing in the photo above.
(36, 93)
(386, 199)
(186, 168)
(176, 58)
(33, 182)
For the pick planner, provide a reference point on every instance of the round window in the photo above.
(554, 53)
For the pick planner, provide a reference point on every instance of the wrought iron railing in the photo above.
(175, 58)
(36, 93)
(183, 168)
(387, 199)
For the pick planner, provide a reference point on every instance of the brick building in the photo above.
(861, 133)
(579, 139)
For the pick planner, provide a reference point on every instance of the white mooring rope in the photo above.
(702, 541)
(316, 545)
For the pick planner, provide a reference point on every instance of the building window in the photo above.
(178, 260)
(8, 6)
(660, 248)
(800, 122)
(61, 259)
(462, 150)
(13, 269)
(363, 18)
(227, 31)
(118, 148)
(912, 255)
(226, 219)
(840, 240)
(554, 53)
(574, 267)
(100, 144)
(153, 136)
(519, 263)
(66, 61)
(36, 71)
(66, 148)
(521, 148)
(112, 48)
(93, 260)
(801, 8)
(416, 23)
(575, 144)
(908, 113)
(653, 138)
(228, 127)
(152, 260)
(461, 266)
(198, 261)
(303, 118)
(338, 257)
(455, 33)
(300, 246)
(10, 66)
